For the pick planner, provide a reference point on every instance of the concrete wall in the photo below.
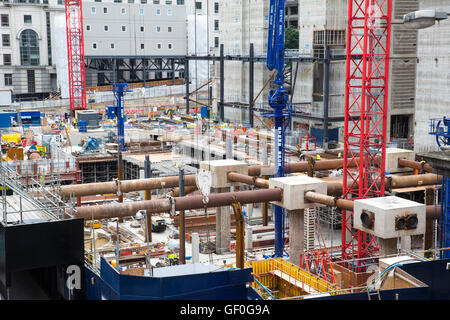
(125, 22)
(433, 77)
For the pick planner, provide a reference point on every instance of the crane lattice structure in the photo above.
(75, 54)
(366, 103)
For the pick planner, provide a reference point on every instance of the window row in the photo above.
(112, 46)
(29, 48)
(4, 18)
(124, 28)
(124, 11)
(199, 6)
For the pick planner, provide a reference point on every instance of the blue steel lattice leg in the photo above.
(445, 217)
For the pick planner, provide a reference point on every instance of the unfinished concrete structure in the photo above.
(433, 77)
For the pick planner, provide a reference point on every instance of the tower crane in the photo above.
(278, 101)
(75, 55)
(366, 101)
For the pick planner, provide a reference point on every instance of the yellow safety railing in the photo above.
(265, 272)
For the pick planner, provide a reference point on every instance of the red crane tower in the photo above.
(366, 102)
(75, 54)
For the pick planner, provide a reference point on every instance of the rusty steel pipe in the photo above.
(394, 182)
(415, 165)
(181, 203)
(303, 166)
(258, 182)
(125, 186)
(329, 201)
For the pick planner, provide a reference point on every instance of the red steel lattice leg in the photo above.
(366, 100)
(75, 54)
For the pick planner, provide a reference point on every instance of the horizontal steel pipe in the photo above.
(329, 201)
(395, 182)
(415, 165)
(326, 164)
(181, 203)
(258, 182)
(125, 186)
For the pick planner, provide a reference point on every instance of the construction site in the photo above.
(239, 169)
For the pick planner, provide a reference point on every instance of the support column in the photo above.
(182, 255)
(326, 94)
(387, 246)
(251, 84)
(222, 85)
(148, 196)
(195, 248)
(223, 226)
(296, 235)
(186, 82)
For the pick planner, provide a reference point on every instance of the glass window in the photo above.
(8, 79)
(5, 20)
(142, 46)
(94, 46)
(158, 11)
(29, 48)
(216, 7)
(158, 45)
(105, 10)
(155, 1)
(141, 11)
(130, 1)
(60, 1)
(169, 46)
(124, 28)
(169, 29)
(27, 18)
(112, 45)
(31, 81)
(158, 29)
(216, 42)
(106, 28)
(180, 2)
(88, 28)
(143, 1)
(168, 2)
(169, 12)
(216, 25)
(142, 28)
(93, 10)
(6, 59)
(198, 5)
(98, 0)
(6, 41)
(118, 1)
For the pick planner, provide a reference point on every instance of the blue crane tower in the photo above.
(119, 90)
(278, 101)
(440, 128)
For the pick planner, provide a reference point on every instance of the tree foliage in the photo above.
(291, 38)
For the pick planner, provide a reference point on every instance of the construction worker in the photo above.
(173, 259)
(339, 155)
(318, 157)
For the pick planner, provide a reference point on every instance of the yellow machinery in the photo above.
(96, 224)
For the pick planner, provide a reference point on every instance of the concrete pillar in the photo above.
(195, 248)
(229, 147)
(142, 176)
(249, 210)
(406, 243)
(296, 235)
(223, 225)
(248, 238)
(387, 246)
